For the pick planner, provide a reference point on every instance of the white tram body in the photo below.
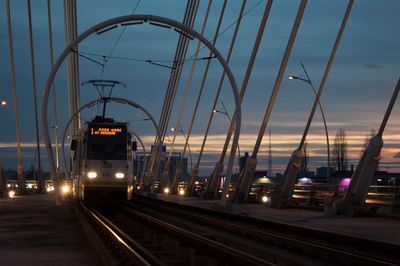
(102, 161)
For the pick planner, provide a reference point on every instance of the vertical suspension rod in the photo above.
(37, 174)
(232, 45)
(188, 84)
(54, 87)
(14, 86)
(176, 178)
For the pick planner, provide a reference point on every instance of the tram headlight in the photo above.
(119, 175)
(11, 193)
(265, 199)
(92, 175)
(65, 189)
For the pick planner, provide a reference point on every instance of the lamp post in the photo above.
(180, 130)
(308, 80)
(225, 112)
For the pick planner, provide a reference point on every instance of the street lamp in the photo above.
(225, 112)
(308, 80)
(3, 102)
(180, 130)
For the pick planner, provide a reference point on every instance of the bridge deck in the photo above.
(376, 228)
(29, 237)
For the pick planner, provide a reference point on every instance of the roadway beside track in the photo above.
(30, 237)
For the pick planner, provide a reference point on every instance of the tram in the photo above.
(102, 161)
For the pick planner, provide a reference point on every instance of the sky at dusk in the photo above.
(358, 90)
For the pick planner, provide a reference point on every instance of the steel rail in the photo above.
(226, 253)
(129, 247)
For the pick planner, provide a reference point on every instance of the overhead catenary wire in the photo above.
(116, 43)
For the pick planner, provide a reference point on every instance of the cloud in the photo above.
(371, 66)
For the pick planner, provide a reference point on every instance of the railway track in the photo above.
(131, 237)
(325, 247)
(152, 232)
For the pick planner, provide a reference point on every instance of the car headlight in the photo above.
(92, 175)
(119, 175)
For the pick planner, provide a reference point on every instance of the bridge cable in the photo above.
(233, 41)
(212, 187)
(183, 104)
(243, 187)
(20, 177)
(177, 177)
(37, 174)
(53, 89)
(173, 82)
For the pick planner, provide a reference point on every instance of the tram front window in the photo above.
(106, 150)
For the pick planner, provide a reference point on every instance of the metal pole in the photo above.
(38, 173)
(54, 90)
(325, 126)
(20, 167)
(286, 187)
(144, 153)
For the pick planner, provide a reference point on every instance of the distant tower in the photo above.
(269, 156)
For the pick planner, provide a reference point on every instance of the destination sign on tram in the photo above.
(106, 130)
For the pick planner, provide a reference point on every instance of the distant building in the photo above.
(242, 161)
(173, 164)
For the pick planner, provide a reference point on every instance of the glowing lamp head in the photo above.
(166, 190)
(181, 192)
(65, 189)
(265, 199)
(3, 103)
(92, 175)
(11, 193)
(119, 175)
(48, 189)
(291, 77)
